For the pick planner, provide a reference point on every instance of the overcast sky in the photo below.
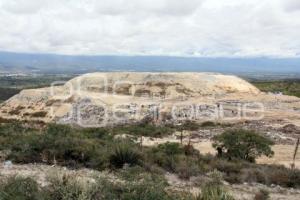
(152, 27)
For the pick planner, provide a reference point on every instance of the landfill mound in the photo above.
(125, 97)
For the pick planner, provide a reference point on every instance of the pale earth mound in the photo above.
(100, 99)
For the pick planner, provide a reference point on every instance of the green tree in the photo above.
(242, 144)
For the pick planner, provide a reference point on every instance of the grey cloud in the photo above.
(162, 7)
(292, 5)
(165, 27)
(22, 6)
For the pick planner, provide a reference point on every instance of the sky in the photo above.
(209, 28)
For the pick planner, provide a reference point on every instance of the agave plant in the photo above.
(124, 154)
(214, 192)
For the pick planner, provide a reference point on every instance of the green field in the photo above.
(287, 87)
(11, 85)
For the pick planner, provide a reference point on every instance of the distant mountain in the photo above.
(51, 63)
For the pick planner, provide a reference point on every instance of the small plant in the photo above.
(67, 188)
(213, 191)
(216, 177)
(124, 154)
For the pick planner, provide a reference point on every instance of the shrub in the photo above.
(251, 175)
(262, 195)
(93, 133)
(166, 155)
(12, 129)
(186, 167)
(61, 145)
(67, 188)
(58, 130)
(190, 126)
(39, 114)
(242, 144)
(208, 124)
(280, 175)
(124, 154)
(147, 188)
(20, 188)
(214, 189)
(211, 191)
(171, 148)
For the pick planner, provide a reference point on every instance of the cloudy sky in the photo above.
(233, 28)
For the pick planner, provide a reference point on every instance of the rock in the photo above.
(8, 164)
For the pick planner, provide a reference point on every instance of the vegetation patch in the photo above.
(242, 144)
(288, 87)
(99, 149)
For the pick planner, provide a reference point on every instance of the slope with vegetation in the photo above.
(288, 87)
(141, 170)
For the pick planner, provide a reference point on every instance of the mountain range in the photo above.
(11, 62)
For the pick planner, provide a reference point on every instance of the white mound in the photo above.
(133, 91)
(170, 84)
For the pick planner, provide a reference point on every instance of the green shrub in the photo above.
(68, 188)
(12, 129)
(56, 130)
(189, 126)
(59, 144)
(170, 148)
(186, 167)
(166, 155)
(285, 177)
(287, 87)
(254, 175)
(208, 124)
(96, 133)
(147, 188)
(124, 154)
(242, 144)
(214, 192)
(20, 188)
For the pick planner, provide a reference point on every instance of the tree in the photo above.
(242, 144)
